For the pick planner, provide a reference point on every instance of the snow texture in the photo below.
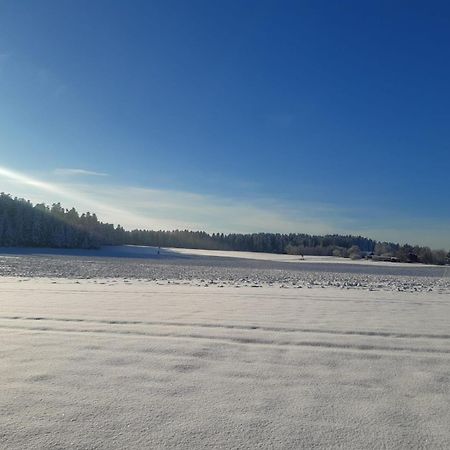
(208, 353)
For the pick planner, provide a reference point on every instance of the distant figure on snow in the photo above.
(159, 251)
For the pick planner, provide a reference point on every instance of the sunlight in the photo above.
(82, 201)
(25, 179)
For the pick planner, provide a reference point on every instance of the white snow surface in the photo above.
(148, 252)
(261, 256)
(113, 363)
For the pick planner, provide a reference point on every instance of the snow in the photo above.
(148, 252)
(208, 353)
(261, 256)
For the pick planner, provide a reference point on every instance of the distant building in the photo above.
(367, 255)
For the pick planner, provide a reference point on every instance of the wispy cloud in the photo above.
(136, 207)
(31, 188)
(79, 172)
(160, 208)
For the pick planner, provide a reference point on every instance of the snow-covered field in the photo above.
(136, 251)
(192, 351)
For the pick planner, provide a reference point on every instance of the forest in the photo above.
(23, 224)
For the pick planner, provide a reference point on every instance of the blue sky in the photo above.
(320, 116)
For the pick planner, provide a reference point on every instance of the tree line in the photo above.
(23, 224)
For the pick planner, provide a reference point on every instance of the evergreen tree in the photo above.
(22, 224)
